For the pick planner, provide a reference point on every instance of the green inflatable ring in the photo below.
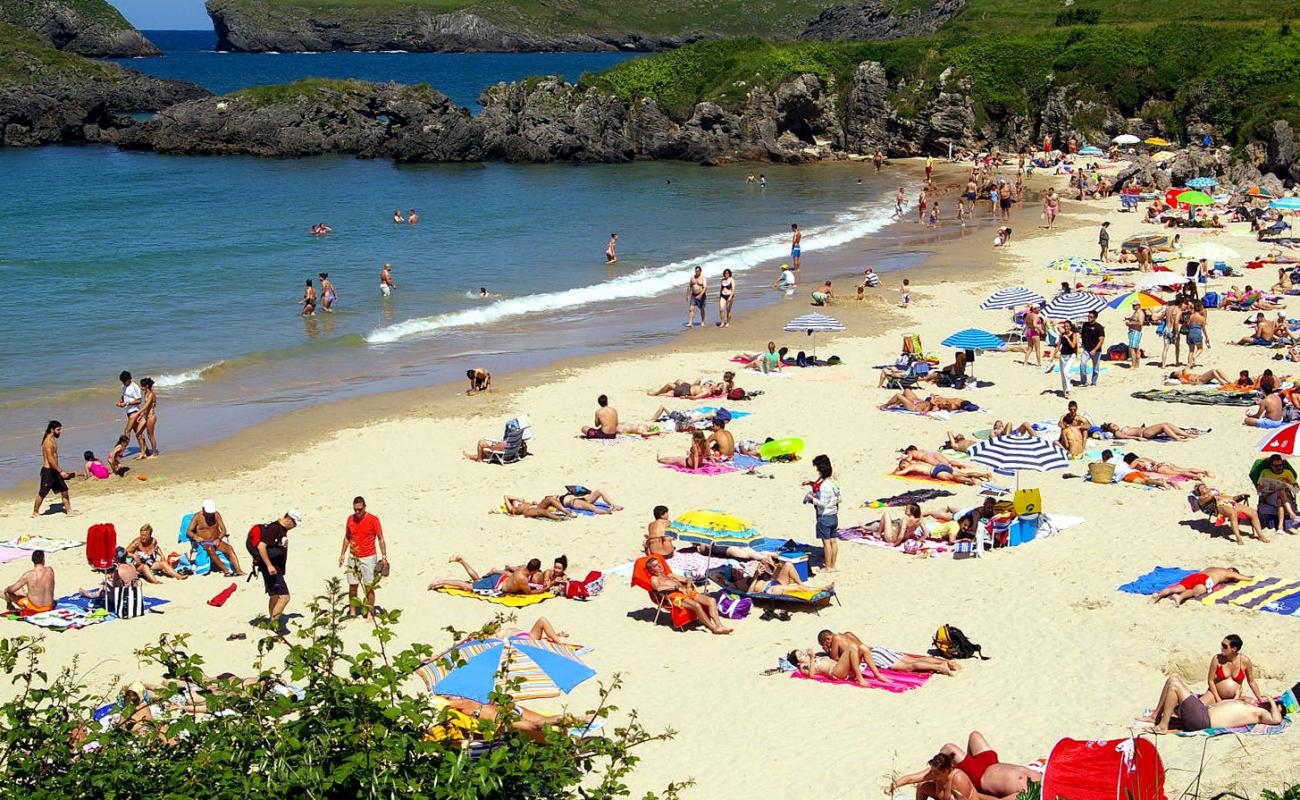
(780, 447)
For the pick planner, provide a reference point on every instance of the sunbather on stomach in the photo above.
(1158, 430)
(980, 763)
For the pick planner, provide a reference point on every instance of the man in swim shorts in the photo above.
(208, 530)
(696, 293)
(1199, 584)
(386, 284)
(980, 763)
(606, 422)
(501, 580)
(33, 593)
(53, 478)
(796, 239)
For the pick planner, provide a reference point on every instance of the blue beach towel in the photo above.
(584, 512)
(743, 461)
(1155, 580)
(713, 410)
(88, 604)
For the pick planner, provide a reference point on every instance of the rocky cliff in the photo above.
(48, 96)
(85, 27)
(880, 19)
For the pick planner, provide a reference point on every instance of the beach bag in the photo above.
(124, 602)
(1161, 327)
(588, 587)
(734, 606)
(101, 544)
(952, 643)
(1117, 352)
(1210, 300)
(1101, 472)
(1027, 501)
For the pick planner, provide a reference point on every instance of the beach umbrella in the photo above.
(1143, 299)
(1012, 297)
(1192, 197)
(814, 324)
(1202, 183)
(1286, 203)
(1152, 240)
(713, 527)
(1019, 452)
(1164, 155)
(1155, 141)
(1126, 138)
(546, 669)
(1090, 266)
(1074, 305)
(973, 339)
(1282, 440)
(1090, 151)
(1260, 192)
(1210, 251)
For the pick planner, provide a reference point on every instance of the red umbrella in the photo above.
(1171, 198)
(1282, 440)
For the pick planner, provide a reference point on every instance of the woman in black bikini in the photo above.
(148, 556)
(726, 298)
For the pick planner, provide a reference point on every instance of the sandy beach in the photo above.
(1069, 655)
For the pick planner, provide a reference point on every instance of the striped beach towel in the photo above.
(1275, 595)
(899, 682)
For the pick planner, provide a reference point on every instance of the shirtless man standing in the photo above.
(208, 530)
(606, 423)
(610, 255)
(34, 591)
(971, 193)
(796, 238)
(899, 200)
(722, 445)
(1173, 318)
(386, 284)
(696, 293)
(657, 541)
(53, 478)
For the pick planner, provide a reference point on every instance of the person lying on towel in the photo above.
(882, 657)
(929, 464)
(1199, 584)
(909, 400)
(1183, 709)
(989, 775)
(527, 579)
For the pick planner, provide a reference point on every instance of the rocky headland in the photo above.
(85, 27)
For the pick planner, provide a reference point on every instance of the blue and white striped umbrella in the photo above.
(814, 323)
(1286, 203)
(1074, 305)
(973, 339)
(1019, 452)
(1012, 297)
(1202, 183)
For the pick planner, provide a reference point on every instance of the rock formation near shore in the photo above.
(86, 27)
(879, 19)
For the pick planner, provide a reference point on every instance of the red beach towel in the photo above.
(222, 597)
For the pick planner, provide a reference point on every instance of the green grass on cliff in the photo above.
(1237, 76)
(20, 12)
(26, 58)
(290, 93)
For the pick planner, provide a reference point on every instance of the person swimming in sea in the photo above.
(327, 293)
(397, 217)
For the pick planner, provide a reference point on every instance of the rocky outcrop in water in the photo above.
(879, 19)
(86, 27)
(260, 26)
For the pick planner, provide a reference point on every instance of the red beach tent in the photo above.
(1119, 769)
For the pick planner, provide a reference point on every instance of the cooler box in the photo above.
(800, 561)
(1024, 529)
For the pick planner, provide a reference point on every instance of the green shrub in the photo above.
(1078, 16)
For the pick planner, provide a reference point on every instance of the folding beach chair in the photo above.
(514, 449)
(680, 617)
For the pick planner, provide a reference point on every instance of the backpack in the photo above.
(254, 538)
(1210, 300)
(952, 643)
(101, 544)
(1117, 352)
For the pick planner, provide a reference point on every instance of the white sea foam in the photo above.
(171, 381)
(649, 281)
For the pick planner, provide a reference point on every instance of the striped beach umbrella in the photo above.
(1202, 183)
(1143, 300)
(1152, 240)
(1260, 192)
(814, 324)
(1012, 297)
(1210, 251)
(1090, 266)
(1019, 452)
(1282, 440)
(1074, 305)
(476, 668)
(973, 339)
(710, 526)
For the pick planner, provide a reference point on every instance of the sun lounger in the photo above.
(680, 617)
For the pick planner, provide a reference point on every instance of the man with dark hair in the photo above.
(361, 533)
(606, 423)
(53, 478)
(501, 580)
(132, 401)
(33, 593)
(657, 541)
(271, 555)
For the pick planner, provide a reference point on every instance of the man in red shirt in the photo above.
(361, 534)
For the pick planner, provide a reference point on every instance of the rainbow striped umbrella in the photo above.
(1143, 300)
(709, 526)
(476, 668)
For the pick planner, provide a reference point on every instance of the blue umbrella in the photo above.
(1090, 151)
(1202, 183)
(1012, 297)
(1286, 203)
(973, 339)
(546, 669)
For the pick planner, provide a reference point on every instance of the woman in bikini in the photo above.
(695, 457)
(1144, 432)
(327, 293)
(548, 507)
(1233, 509)
(848, 667)
(726, 298)
(941, 780)
(783, 579)
(989, 775)
(1035, 329)
(148, 556)
(308, 301)
(1164, 468)
(1229, 671)
(588, 501)
(147, 419)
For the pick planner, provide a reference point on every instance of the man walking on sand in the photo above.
(1051, 206)
(1103, 241)
(271, 556)
(796, 238)
(361, 532)
(53, 478)
(1093, 336)
(696, 293)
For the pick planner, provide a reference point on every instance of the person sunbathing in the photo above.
(963, 443)
(980, 763)
(1269, 410)
(462, 721)
(542, 631)
(1266, 333)
(883, 657)
(941, 780)
(937, 460)
(681, 593)
(782, 579)
(1276, 483)
(695, 456)
(1230, 673)
(1158, 430)
(657, 541)
(1191, 378)
(908, 400)
(698, 390)
(1199, 584)
(1126, 473)
(908, 467)
(504, 580)
(771, 360)
(1150, 465)
(1181, 707)
(1233, 509)
(847, 667)
(548, 507)
(588, 500)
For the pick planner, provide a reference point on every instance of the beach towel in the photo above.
(89, 604)
(941, 415)
(582, 512)
(735, 415)
(709, 468)
(924, 479)
(910, 496)
(1259, 729)
(1155, 580)
(511, 600)
(899, 682)
(622, 437)
(30, 542)
(1274, 595)
(1197, 397)
(743, 462)
(64, 618)
(8, 554)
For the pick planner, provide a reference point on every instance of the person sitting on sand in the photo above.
(1229, 673)
(480, 380)
(148, 556)
(882, 657)
(1266, 332)
(695, 457)
(1233, 509)
(657, 541)
(823, 296)
(980, 763)
(681, 593)
(847, 667)
(502, 580)
(548, 507)
(33, 592)
(699, 390)
(588, 500)
(1157, 430)
(1193, 379)
(941, 780)
(605, 426)
(908, 400)
(721, 444)
(1183, 709)
(1268, 411)
(772, 360)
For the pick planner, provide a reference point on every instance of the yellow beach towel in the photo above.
(512, 600)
